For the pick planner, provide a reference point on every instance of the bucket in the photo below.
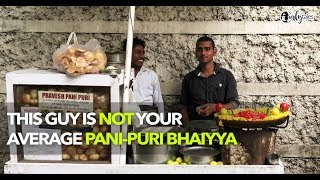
(253, 146)
(154, 154)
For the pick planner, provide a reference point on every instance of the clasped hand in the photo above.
(206, 109)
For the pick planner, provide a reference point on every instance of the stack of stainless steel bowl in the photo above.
(116, 59)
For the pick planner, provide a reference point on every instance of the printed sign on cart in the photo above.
(68, 101)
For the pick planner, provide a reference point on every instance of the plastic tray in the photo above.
(256, 123)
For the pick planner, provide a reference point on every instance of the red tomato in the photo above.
(250, 115)
(218, 107)
(284, 107)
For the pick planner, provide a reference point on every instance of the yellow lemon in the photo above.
(179, 160)
(275, 111)
(175, 163)
(219, 163)
(183, 163)
(170, 162)
(224, 111)
(213, 163)
(236, 118)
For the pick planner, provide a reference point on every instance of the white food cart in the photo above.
(35, 77)
(117, 162)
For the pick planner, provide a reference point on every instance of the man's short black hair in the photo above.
(136, 41)
(206, 38)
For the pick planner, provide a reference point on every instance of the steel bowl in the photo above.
(117, 65)
(116, 57)
(153, 154)
(112, 72)
(199, 154)
(203, 126)
(272, 159)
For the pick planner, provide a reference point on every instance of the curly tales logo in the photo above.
(296, 17)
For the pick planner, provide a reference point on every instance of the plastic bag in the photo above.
(77, 59)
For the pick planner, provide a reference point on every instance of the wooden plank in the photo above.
(276, 89)
(298, 151)
(2, 87)
(225, 27)
(162, 27)
(76, 26)
(269, 89)
(103, 27)
(50, 26)
(12, 26)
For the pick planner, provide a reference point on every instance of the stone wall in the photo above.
(153, 13)
(4, 149)
(253, 58)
